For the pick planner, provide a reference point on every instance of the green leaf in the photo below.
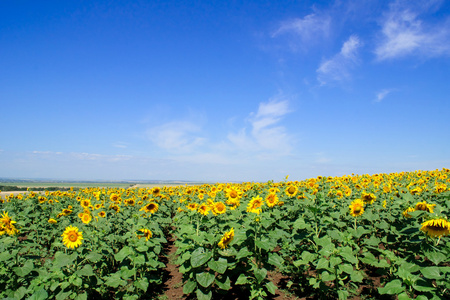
(242, 279)
(431, 272)
(205, 279)
(271, 288)
(20, 292)
(423, 285)
(86, 271)
(275, 260)
(322, 263)
(141, 284)
(189, 286)
(142, 248)
(327, 276)
(220, 265)
(40, 294)
(356, 276)
(403, 296)
(123, 253)
(200, 257)
(4, 256)
(94, 257)
(115, 281)
(62, 260)
(393, 287)
(223, 284)
(25, 269)
(347, 268)
(260, 274)
(81, 296)
(436, 257)
(308, 256)
(334, 261)
(243, 253)
(202, 296)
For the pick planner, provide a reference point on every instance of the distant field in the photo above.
(68, 184)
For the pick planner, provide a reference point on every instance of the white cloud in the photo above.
(338, 67)
(176, 136)
(266, 135)
(404, 33)
(309, 29)
(382, 94)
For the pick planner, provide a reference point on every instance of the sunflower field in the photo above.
(367, 236)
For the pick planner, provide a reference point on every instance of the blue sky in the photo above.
(223, 90)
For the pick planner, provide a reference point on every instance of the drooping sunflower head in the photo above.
(356, 208)
(226, 239)
(52, 221)
(407, 211)
(436, 227)
(146, 233)
(72, 237)
(368, 198)
(425, 206)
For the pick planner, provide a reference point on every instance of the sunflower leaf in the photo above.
(200, 257)
(393, 287)
(431, 272)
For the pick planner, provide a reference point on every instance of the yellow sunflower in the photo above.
(85, 203)
(72, 237)
(272, 200)
(203, 209)
(192, 206)
(425, 206)
(436, 227)
(146, 233)
(151, 207)
(407, 211)
(255, 204)
(368, 198)
(7, 225)
(291, 191)
(52, 221)
(226, 239)
(219, 208)
(86, 218)
(102, 214)
(357, 208)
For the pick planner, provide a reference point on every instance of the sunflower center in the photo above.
(233, 194)
(73, 236)
(291, 190)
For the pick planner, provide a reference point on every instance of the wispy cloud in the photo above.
(338, 67)
(382, 94)
(308, 29)
(405, 33)
(176, 136)
(266, 134)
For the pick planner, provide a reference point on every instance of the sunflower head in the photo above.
(356, 208)
(255, 204)
(272, 200)
(219, 208)
(226, 239)
(72, 237)
(436, 227)
(147, 234)
(291, 191)
(203, 209)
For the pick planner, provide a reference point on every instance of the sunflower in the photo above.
(272, 200)
(72, 237)
(233, 193)
(85, 203)
(436, 227)
(407, 211)
(7, 225)
(52, 221)
(226, 239)
(114, 197)
(102, 214)
(203, 209)
(192, 206)
(151, 207)
(255, 204)
(425, 206)
(218, 208)
(146, 233)
(86, 218)
(357, 208)
(130, 202)
(368, 198)
(291, 191)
